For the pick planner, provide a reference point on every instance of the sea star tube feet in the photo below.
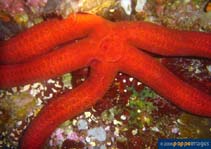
(107, 47)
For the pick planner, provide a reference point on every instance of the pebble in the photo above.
(48, 97)
(116, 132)
(155, 129)
(87, 114)
(34, 92)
(103, 146)
(25, 88)
(58, 85)
(127, 6)
(209, 68)
(36, 85)
(97, 133)
(175, 130)
(19, 123)
(131, 79)
(74, 122)
(54, 90)
(39, 101)
(123, 117)
(135, 132)
(14, 89)
(50, 81)
(82, 124)
(116, 122)
(108, 143)
(140, 5)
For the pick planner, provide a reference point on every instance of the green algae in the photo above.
(16, 107)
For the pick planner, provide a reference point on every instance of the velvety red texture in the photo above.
(50, 49)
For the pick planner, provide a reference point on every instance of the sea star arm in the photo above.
(69, 58)
(165, 83)
(45, 36)
(164, 41)
(69, 105)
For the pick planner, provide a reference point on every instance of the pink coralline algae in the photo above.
(74, 136)
(19, 6)
(12, 6)
(37, 3)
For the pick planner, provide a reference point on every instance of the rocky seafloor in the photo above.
(130, 115)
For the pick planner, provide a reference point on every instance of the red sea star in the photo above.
(49, 49)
